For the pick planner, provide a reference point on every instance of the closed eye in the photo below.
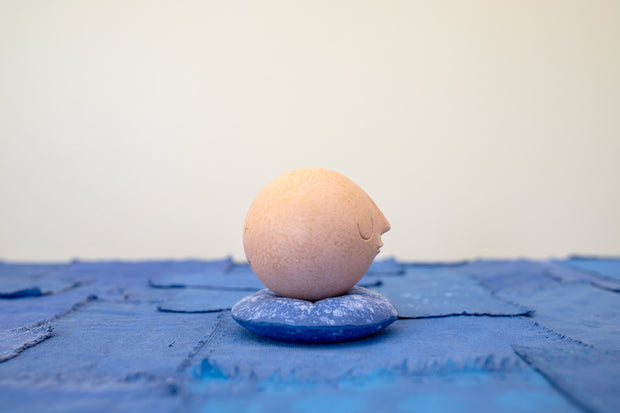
(362, 231)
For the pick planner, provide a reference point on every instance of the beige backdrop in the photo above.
(134, 129)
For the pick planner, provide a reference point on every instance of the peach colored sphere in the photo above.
(312, 233)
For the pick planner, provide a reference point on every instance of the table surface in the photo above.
(484, 335)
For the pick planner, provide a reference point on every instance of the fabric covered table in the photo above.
(483, 336)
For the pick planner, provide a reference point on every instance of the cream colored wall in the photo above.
(133, 129)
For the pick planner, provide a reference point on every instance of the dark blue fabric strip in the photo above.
(588, 377)
(443, 291)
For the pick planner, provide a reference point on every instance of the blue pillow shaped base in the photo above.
(356, 314)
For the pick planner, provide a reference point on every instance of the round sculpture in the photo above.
(312, 233)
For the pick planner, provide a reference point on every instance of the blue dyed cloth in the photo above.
(443, 291)
(19, 281)
(191, 300)
(605, 267)
(235, 277)
(158, 336)
(590, 377)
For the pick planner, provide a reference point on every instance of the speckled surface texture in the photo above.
(312, 233)
(158, 336)
(358, 313)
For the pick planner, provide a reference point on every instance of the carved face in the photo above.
(372, 225)
(312, 233)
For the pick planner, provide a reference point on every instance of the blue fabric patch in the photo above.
(33, 311)
(13, 342)
(567, 273)
(238, 279)
(386, 267)
(438, 292)
(89, 396)
(356, 314)
(589, 377)
(436, 264)
(201, 301)
(390, 390)
(523, 276)
(607, 267)
(235, 277)
(431, 345)
(114, 341)
(119, 280)
(18, 281)
(579, 311)
(28, 270)
(25, 322)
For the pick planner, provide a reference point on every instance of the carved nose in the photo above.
(382, 223)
